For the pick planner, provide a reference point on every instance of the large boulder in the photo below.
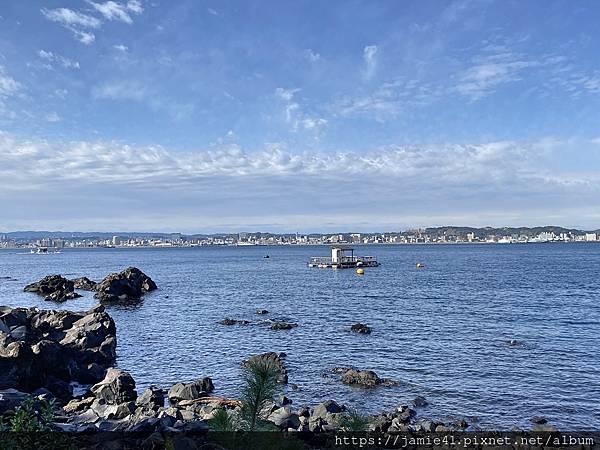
(16, 365)
(272, 359)
(53, 288)
(117, 387)
(93, 337)
(190, 391)
(50, 349)
(130, 284)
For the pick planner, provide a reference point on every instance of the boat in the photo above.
(342, 258)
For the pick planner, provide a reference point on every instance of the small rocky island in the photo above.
(127, 286)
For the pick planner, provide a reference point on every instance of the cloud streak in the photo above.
(53, 58)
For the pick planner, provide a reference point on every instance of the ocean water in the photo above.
(441, 332)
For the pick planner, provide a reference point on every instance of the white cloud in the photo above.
(286, 94)
(111, 10)
(121, 48)
(311, 55)
(8, 85)
(53, 117)
(370, 58)
(135, 6)
(84, 37)
(81, 24)
(55, 58)
(314, 123)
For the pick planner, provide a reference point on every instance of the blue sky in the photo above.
(298, 116)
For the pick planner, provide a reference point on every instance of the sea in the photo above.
(442, 332)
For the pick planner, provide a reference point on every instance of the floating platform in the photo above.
(342, 258)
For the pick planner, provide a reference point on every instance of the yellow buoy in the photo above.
(360, 271)
(420, 265)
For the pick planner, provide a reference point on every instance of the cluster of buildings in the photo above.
(445, 235)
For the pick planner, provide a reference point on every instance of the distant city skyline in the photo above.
(307, 116)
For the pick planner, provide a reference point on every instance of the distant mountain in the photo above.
(503, 231)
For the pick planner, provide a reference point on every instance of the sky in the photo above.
(298, 116)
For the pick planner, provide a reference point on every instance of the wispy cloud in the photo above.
(78, 23)
(121, 90)
(388, 100)
(133, 90)
(370, 58)
(121, 48)
(492, 71)
(54, 58)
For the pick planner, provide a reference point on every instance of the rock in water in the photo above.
(130, 284)
(53, 288)
(85, 284)
(366, 378)
(361, 328)
(228, 321)
(363, 377)
(283, 326)
(273, 359)
(420, 401)
(116, 387)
